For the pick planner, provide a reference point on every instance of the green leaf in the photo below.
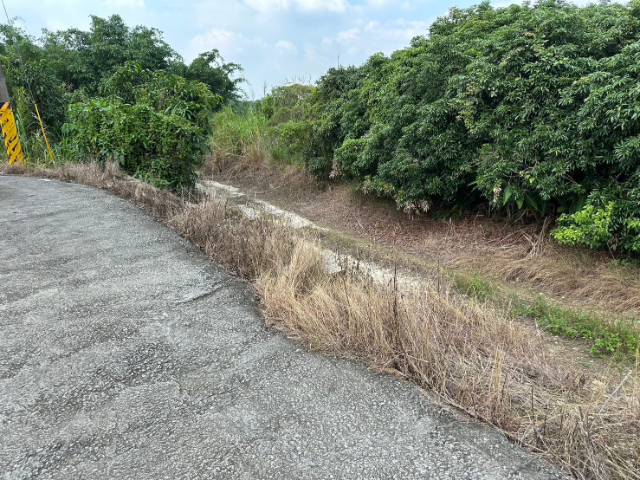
(508, 191)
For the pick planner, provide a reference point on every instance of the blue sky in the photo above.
(274, 40)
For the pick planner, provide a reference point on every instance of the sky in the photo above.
(275, 41)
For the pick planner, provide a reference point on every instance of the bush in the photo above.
(531, 107)
(589, 227)
(611, 218)
(154, 124)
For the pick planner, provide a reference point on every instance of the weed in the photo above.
(235, 136)
(606, 337)
(475, 286)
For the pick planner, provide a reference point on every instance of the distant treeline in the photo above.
(531, 109)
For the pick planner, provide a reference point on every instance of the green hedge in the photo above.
(532, 107)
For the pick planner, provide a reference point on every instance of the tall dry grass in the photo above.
(616, 290)
(237, 136)
(472, 356)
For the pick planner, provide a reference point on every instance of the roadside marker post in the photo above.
(10, 134)
(8, 123)
(44, 134)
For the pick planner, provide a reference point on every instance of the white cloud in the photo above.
(286, 47)
(305, 5)
(229, 43)
(125, 3)
(312, 53)
(398, 30)
(347, 35)
(99, 4)
(218, 13)
(391, 4)
(372, 25)
(385, 37)
(379, 3)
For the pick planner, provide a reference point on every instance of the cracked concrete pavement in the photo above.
(126, 353)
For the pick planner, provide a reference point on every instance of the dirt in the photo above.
(515, 254)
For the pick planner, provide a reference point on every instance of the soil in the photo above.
(518, 255)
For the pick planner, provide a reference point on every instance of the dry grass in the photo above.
(470, 355)
(584, 280)
(498, 249)
(256, 169)
(246, 248)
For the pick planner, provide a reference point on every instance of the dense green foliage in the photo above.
(80, 60)
(157, 125)
(123, 92)
(288, 130)
(533, 108)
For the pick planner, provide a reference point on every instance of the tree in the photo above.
(155, 124)
(83, 58)
(533, 108)
(210, 69)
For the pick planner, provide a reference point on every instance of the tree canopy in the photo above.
(533, 108)
(77, 61)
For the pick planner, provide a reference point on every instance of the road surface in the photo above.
(126, 353)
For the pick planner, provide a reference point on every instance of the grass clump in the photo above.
(605, 337)
(475, 286)
(269, 129)
(237, 135)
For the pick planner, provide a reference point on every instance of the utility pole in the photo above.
(4, 93)
(8, 123)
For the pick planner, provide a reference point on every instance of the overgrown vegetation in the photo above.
(238, 134)
(115, 92)
(250, 136)
(156, 125)
(532, 108)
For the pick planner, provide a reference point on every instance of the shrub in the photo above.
(531, 107)
(589, 227)
(154, 124)
(610, 218)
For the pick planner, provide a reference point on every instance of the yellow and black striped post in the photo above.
(8, 124)
(10, 134)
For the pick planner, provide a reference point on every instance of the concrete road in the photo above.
(125, 353)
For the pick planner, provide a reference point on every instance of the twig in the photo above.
(359, 224)
(614, 393)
